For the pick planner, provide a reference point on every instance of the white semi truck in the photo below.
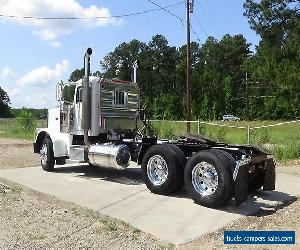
(97, 121)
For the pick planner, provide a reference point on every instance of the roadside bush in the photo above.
(25, 121)
(287, 152)
(278, 152)
(291, 151)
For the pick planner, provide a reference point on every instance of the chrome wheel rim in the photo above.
(205, 178)
(44, 154)
(157, 170)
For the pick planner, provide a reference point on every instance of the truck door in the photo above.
(78, 111)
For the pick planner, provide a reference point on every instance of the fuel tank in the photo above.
(109, 155)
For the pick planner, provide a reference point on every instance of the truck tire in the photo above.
(47, 155)
(180, 161)
(160, 170)
(231, 163)
(208, 178)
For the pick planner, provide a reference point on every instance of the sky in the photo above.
(36, 54)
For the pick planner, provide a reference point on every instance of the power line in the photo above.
(194, 32)
(163, 8)
(199, 23)
(212, 16)
(207, 18)
(95, 17)
(179, 18)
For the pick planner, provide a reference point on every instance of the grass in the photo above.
(10, 129)
(283, 141)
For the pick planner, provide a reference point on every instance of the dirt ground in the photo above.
(15, 153)
(27, 222)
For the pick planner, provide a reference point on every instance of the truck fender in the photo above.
(146, 144)
(60, 142)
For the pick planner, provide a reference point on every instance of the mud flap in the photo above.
(241, 185)
(270, 175)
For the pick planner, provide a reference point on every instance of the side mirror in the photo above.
(59, 89)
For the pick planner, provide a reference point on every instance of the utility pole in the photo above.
(189, 9)
(247, 96)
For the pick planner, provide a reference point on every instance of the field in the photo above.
(283, 141)
(9, 128)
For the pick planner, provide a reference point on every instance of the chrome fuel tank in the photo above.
(109, 155)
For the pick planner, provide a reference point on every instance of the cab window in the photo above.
(120, 98)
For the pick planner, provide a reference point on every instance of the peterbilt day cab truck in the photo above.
(99, 125)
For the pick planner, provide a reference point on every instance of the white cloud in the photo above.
(40, 100)
(43, 76)
(36, 88)
(56, 44)
(6, 73)
(32, 97)
(14, 92)
(50, 30)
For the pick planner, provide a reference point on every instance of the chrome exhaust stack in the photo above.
(86, 96)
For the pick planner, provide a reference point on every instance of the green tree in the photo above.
(228, 94)
(217, 76)
(273, 20)
(37, 113)
(76, 75)
(119, 62)
(275, 66)
(4, 104)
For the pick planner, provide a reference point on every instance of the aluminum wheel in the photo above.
(44, 154)
(205, 178)
(157, 170)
